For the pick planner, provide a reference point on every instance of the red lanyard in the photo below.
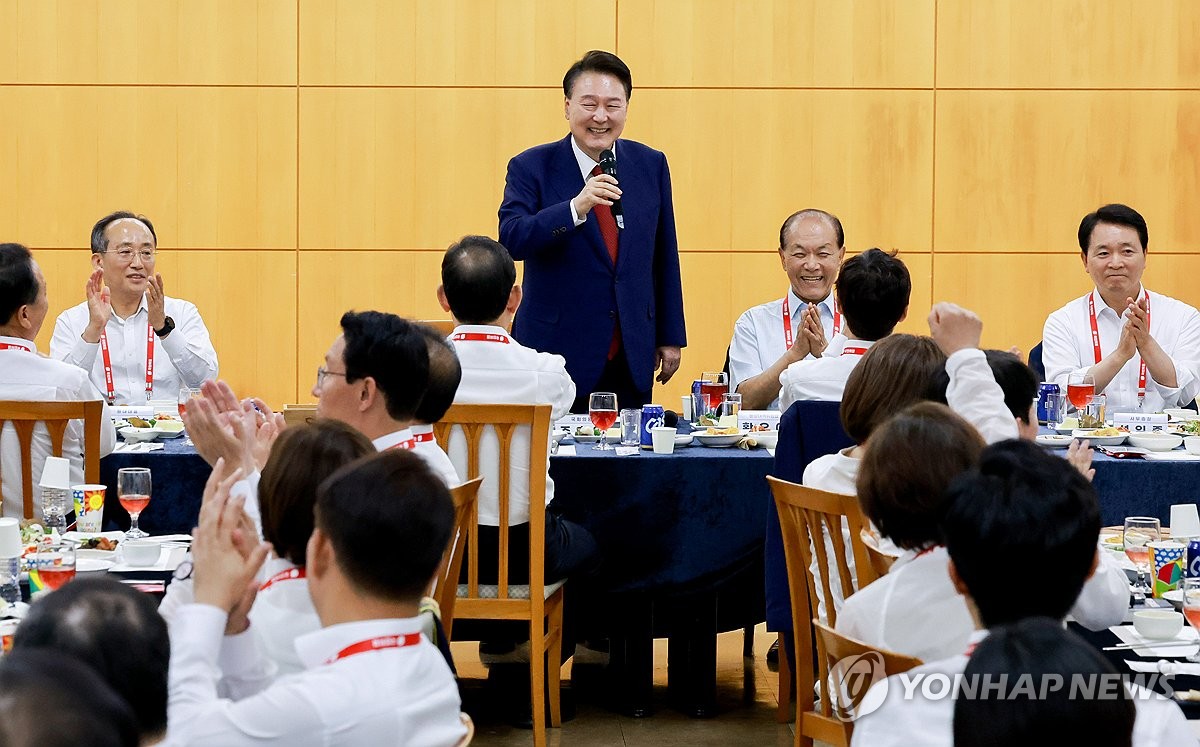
(1096, 342)
(405, 444)
(423, 438)
(787, 322)
(376, 644)
(286, 575)
(108, 371)
(854, 351)
(9, 346)
(480, 337)
(926, 551)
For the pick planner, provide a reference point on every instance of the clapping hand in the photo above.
(226, 550)
(1079, 454)
(812, 332)
(99, 301)
(156, 312)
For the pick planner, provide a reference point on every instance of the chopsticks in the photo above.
(1151, 644)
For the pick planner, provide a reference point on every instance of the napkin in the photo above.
(566, 450)
(1127, 634)
(136, 448)
(1171, 456)
(1169, 668)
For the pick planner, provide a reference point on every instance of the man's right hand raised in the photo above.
(954, 328)
(99, 307)
(600, 189)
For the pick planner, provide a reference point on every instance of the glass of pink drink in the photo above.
(133, 490)
(1139, 532)
(1191, 608)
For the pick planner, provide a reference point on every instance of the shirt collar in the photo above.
(487, 329)
(19, 341)
(586, 164)
(320, 646)
(794, 302)
(1101, 306)
(391, 439)
(143, 305)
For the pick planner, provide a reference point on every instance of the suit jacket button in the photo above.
(612, 315)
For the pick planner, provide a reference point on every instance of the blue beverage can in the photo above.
(652, 417)
(1048, 400)
(1193, 559)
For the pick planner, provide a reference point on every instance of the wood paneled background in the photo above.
(303, 157)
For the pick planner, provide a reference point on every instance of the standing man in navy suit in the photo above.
(601, 280)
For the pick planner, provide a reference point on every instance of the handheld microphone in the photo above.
(608, 164)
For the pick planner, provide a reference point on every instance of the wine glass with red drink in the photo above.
(602, 407)
(1191, 608)
(1081, 387)
(133, 490)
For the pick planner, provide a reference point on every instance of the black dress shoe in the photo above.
(773, 657)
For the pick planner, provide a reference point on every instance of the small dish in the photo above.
(1100, 440)
(1192, 444)
(169, 428)
(1055, 441)
(717, 441)
(765, 439)
(683, 439)
(1179, 414)
(135, 435)
(1157, 624)
(1155, 441)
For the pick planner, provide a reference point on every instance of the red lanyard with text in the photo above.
(8, 346)
(376, 644)
(423, 438)
(854, 351)
(1096, 343)
(480, 337)
(287, 575)
(787, 322)
(406, 444)
(111, 390)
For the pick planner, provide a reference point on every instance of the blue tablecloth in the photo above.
(177, 474)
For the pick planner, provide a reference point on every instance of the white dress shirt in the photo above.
(428, 449)
(501, 371)
(915, 609)
(1067, 348)
(919, 720)
(394, 696)
(758, 339)
(395, 439)
(183, 358)
(28, 377)
(821, 378)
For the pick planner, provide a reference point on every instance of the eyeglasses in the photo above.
(125, 256)
(322, 373)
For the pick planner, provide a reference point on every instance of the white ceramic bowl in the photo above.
(1157, 625)
(1155, 441)
(1192, 444)
(140, 552)
(717, 441)
(169, 428)
(765, 439)
(135, 435)
(1178, 413)
(1094, 440)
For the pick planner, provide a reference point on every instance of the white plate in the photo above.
(136, 435)
(764, 439)
(1155, 442)
(1180, 414)
(169, 433)
(1057, 442)
(1100, 440)
(614, 437)
(683, 439)
(718, 442)
(87, 564)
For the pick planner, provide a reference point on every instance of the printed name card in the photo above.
(569, 423)
(1141, 422)
(146, 412)
(758, 420)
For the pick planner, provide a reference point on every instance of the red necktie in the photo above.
(608, 230)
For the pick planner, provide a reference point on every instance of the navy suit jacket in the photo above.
(573, 295)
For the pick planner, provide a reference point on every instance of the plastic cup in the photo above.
(631, 427)
(663, 440)
(1185, 521)
(89, 507)
(10, 538)
(687, 407)
(56, 473)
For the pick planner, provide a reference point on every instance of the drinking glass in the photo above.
(186, 394)
(1191, 608)
(1139, 532)
(714, 385)
(133, 490)
(602, 407)
(1081, 387)
(55, 563)
(1094, 412)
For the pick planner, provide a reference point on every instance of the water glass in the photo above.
(631, 427)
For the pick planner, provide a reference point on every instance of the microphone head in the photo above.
(670, 419)
(607, 156)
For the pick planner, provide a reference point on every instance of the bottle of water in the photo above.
(54, 509)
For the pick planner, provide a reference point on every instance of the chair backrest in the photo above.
(807, 430)
(298, 414)
(445, 326)
(55, 415)
(837, 648)
(474, 421)
(445, 584)
(881, 562)
(1035, 361)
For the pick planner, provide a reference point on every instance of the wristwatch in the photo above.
(168, 325)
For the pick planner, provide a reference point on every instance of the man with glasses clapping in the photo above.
(136, 342)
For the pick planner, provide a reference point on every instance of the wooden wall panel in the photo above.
(247, 301)
(212, 167)
(452, 43)
(412, 168)
(1068, 44)
(755, 157)
(778, 43)
(1017, 170)
(149, 42)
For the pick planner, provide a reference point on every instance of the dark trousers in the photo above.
(617, 379)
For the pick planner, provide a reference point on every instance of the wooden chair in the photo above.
(55, 415)
(536, 602)
(881, 562)
(837, 647)
(445, 326)
(806, 516)
(445, 584)
(298, 414)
